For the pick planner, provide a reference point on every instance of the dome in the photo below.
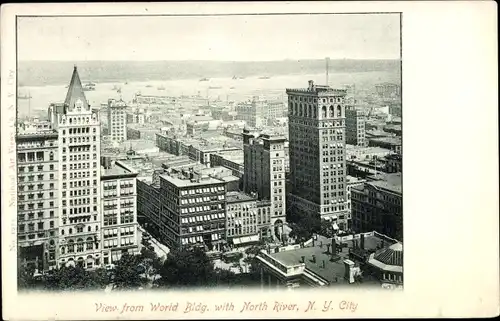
(392, 255)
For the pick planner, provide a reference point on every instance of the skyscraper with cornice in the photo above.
(78, 129)
(317, 152)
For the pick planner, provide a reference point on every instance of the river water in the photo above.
(230, 89)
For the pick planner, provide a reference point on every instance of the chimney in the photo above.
(311, 85)
(314, 258)
(349, 271)
(362, 241)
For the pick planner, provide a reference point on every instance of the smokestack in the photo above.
(327, 59)
(311, 85)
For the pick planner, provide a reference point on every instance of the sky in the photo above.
(222, 38)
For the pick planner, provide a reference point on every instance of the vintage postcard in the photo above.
(245, 160)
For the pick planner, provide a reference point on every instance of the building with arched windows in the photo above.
(79, 196)
(317, 151)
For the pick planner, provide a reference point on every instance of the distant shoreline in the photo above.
(39, 73)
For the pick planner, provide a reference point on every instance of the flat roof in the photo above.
(236, 197)
(389, 140)
(331, 270)
(182, 181)
(114, 171)
(390, 182)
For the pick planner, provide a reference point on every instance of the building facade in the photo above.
(253, 113)
(192, 209)
(317, 151)
(37, 194)
(117, 120)
(388, 90)
(119, 211)
(79, 170)
(248, 220)
(355, 127)
(378, 205)
(233, 160)
(264, 173)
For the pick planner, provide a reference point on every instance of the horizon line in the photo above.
(211, 60)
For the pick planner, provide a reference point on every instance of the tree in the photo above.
(151, 262)
(75, 278)
(304, 225)
(326, 229)
(187, 268)
(25, 276)
(127, 272)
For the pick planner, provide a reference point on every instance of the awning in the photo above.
(335, 226)
(246, 239)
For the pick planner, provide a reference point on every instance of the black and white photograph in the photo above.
(163, 162)
(228, 158)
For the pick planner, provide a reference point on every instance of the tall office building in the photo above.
(355, 127)
(117, 120)
(264, 172)
(317, 151)
(192, 210)
(38, 188)
(119, 210)
(79, 196)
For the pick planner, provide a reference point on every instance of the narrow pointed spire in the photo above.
(75, 92)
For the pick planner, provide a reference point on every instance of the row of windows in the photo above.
(332, 209)
(201, 218)
(314, 99)
(32, 157)
(32, 196)
(31, 178)
(79, 210)
(31, 226)
(83, 174)
(31, 206)
(21, 169)
(312, 112)
(31, 216)
(79, 130)
(78, 157)
(77, 140)
(202, 190)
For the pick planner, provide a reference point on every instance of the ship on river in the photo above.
(24, 96)
(89, 86)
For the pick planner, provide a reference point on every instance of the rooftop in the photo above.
(144, 167)
(352, 179)
(391, 182)
(333, 270)
(179, 180)
(113, 171)
(388, 140)
(317, 89)
(236, 197)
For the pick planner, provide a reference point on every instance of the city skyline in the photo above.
(375, 36)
